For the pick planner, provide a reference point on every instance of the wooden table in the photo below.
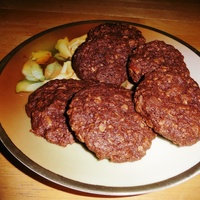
(20, 20)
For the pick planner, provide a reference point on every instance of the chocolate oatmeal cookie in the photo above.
(104, 55)
(152, 55)
(102, 60)
(46, 107)
(170, 104)
(103, 117)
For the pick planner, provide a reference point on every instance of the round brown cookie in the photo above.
(102, 59)
(150, 56)
(103, 117)
(46, 107)
(170, 104)
(125, 31)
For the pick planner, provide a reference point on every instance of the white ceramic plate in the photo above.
(74, 167)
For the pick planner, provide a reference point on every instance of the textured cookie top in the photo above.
(150, 56)
(125, 31)
(103, 117)
(102, 59)
(170, 104)
(104, 55)
(46, 108)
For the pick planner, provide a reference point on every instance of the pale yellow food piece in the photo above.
(66, 48)
(41, 57)
(27, 86)
(62, 47)
(126, 84)
(67, 72)
(33, 71)
(52, 70)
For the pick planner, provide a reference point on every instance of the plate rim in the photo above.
(80, 186)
